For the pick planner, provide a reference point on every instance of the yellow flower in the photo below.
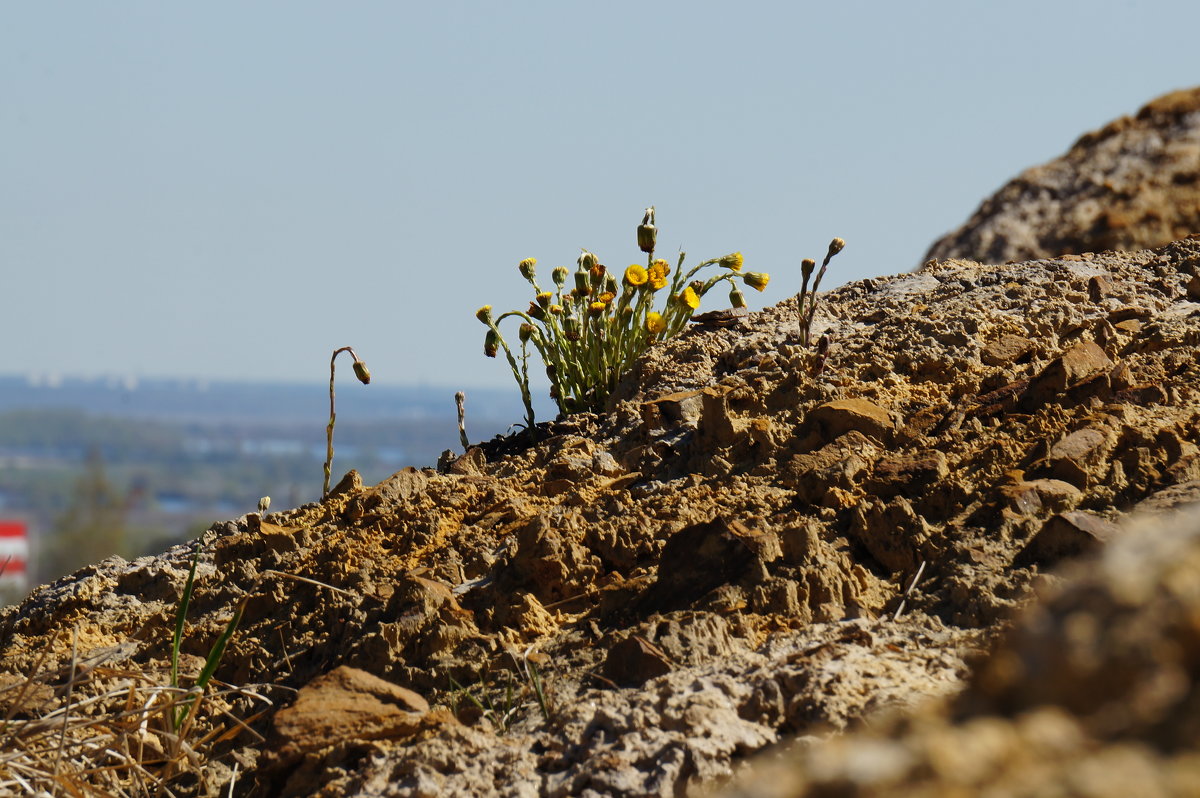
(655, 323)
(484, 314)
(690, 298)
(556, 309)
(544, 298)
(658, 274)
(596, 308)
(733, 262)
(636, 275)
(606, 297)
(756, 280)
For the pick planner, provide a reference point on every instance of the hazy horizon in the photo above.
(231, 191)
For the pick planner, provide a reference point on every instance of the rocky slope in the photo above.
(755, 544)
(1133, 184)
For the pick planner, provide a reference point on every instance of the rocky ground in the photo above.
(756, 545)
(1133, 184)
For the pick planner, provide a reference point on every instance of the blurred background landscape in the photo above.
(91, 467)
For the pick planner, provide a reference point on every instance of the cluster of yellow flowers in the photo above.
(590, 334)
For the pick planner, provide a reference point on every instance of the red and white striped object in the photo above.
(14, 553)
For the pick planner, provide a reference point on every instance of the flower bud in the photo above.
(525, 332)
(756, 280)
(596, 276)
(535, 311)
(610, 283)
(560, 276)
(737, 298)
(581, 283)
(491, 343)
(733, 262)
(647, 233)
(806, 267)
(697, 286)
(527, 268)
(544, 298)
(571, 328)
(586, 261)
(484, 314)
(360, 371)
(836, 246)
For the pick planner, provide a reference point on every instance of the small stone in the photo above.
(634, 661)
(399, 487)
(348, 704)
(1099, 287)
(1193, 288)
(1006, 349)
(1066, 535)
(840, 416)
(1081, 362)
(702, 557)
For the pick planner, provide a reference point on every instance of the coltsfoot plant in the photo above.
(594, 324)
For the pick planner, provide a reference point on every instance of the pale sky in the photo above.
(233, 190)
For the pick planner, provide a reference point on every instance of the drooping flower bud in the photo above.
(484, 314)
(647, 233)
(535, 311)
(544, 299)
(756, 280)
(525, 332)
(733, 262)
(491, 343)
(360, 371)
(736, 297)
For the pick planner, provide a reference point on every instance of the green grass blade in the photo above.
(180, 615)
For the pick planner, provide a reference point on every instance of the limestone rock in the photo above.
(1133, 184)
